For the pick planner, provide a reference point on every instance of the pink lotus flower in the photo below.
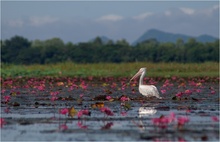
(106, 111)
(7, 98)
(64, 111)
(215, 118)
(83, 112)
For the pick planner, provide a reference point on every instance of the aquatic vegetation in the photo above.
(108, 103)
(72, 112)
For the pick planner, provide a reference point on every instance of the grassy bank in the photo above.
(210, 69)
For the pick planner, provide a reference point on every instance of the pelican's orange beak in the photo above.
(136, 75)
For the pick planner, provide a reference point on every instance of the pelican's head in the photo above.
(138, 73)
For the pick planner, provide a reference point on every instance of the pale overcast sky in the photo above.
(80, 21)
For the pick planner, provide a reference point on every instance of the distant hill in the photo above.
(170, 37)
(104, 39)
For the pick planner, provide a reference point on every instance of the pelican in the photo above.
(146, 90)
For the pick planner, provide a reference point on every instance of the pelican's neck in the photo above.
(142, 78)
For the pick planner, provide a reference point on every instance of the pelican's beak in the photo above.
(136, 75)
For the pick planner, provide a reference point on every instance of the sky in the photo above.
(81, 21)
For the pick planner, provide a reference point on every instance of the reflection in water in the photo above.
(146, 111)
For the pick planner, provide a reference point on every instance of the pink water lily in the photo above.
(83, 112)
(123, 98)
(213, 92)
(123, 113)
(215, 118)
(3, 91)
(64, 111)
(179, 94)
(2, 122)
(54, 95)
(7, 98)
(81, 95)
(83, 85)
(41, 87)
(80, 125)
(182, 120)
(63, 127)
(198, 90)
(108, 97)
(163, 121)
(163, 91)
(188, 92)
(106, 111)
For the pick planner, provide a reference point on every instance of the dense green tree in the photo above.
(12, 47)
(19, 50)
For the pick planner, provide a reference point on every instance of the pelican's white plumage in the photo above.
(146, 90)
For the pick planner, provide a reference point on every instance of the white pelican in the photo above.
(146, 90)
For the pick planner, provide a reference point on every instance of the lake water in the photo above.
(30, 115)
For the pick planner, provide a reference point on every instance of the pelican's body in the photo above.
(146, 90)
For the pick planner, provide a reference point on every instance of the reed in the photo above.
(210, 69)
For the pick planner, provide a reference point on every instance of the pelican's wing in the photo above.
(156, 92)
(149, 90)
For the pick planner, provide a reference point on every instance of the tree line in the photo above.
(20, 50)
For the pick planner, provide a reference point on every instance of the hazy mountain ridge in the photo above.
(161, 36)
